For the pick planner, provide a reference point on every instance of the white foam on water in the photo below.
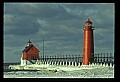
(65, 72)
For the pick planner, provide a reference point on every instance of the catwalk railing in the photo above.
(98, 58)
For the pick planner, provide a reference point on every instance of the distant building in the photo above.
(30, 52)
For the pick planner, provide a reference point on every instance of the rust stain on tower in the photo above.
(88, 49)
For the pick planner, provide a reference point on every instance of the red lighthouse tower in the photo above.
(88, 49)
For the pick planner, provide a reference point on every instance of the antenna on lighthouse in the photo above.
(43, 47)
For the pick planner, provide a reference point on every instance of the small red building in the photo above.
(30, 52)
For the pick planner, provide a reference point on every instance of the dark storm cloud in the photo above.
(23, 29)
(21, 25)
(36, 10)
(20, 18)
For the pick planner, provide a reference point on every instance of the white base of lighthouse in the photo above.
(23, 62)
(27, 62)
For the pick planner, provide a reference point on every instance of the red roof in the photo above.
(27, 48)
(88, 22)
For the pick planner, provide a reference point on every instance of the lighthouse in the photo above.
(30, 53)
(88, 48)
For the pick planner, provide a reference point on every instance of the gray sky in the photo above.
(60, 24)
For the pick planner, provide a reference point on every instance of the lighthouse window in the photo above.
(88, 25)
